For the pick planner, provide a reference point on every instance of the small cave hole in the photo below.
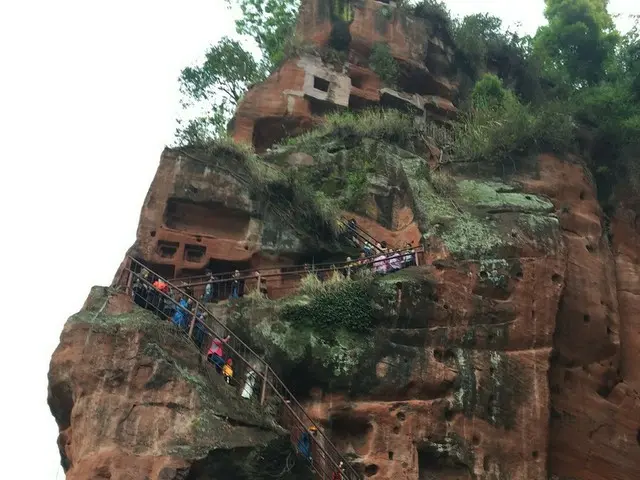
(401, 416)
(604, 391)
(609, 331)
(321, 84)
(438, 355)
(476, 440)
(483, 274)
(153, 233)
(396, 429)
(528, 197)
(390, 455)
(445, 306)
(246, 247)
(556, 278)
(519, 274)
(356, 80)
(514, 234)
(198, 238)
(448, 414)
(590, 248)
(638, 436)
(582, 195)
(370, 470)
(586, 318)
(535, 454)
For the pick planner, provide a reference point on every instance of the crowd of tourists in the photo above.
(154, 294)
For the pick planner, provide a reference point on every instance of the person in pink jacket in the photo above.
(216, 353)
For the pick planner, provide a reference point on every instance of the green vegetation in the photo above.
(228, 69)
(386, 125)
(220, 81)
(382, 62)
(500, 127)
(288, 193)
(344, 304)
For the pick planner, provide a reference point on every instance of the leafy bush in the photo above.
(497, 134)
(382, 62)
(346, 304)
(389, 125)
(437, 13)
(488, 92)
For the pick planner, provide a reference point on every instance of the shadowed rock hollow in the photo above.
(511, 352)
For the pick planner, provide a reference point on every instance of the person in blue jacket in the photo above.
(304, 446)
(180, 317)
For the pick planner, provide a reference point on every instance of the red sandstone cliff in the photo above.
(521, 364)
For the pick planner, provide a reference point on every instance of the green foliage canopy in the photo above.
(578, 41)
(270, 23)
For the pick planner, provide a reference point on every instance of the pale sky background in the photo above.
(88, 99)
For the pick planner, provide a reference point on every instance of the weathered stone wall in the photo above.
(306, 87)
(132, 400)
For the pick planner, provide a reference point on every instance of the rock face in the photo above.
(511, 352)
(332, 69)
(133, 401)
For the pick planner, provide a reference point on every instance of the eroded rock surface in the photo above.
(511, 352)
(133, 401)
(331, 69)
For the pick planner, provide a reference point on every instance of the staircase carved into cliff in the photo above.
(274, 396)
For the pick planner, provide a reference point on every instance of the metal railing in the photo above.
(277, 284)
(254, 379)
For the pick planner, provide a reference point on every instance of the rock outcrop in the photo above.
(511, 352)
(331, 68)
(133, 400)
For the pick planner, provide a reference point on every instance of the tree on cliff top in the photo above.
(270, 23)
(579, 41)
(228, 69)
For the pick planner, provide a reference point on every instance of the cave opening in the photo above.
(435, 461)
(349, 431)
(268, 131)
(167, 249)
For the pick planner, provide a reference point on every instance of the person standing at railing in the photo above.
(368, 249)
(304, 444)
(394, 261)
(210, 290)
(199, 329)
(141, 290)
(162, 289)
(216, 353)
(180, 316)
(235, 285)
(249, 382)
(227, 370)
(409, 256)
(380, 264)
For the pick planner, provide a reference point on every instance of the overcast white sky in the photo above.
(88, 98)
